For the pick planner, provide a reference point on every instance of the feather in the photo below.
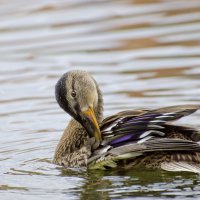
(152, 132)
(128, 155)
(103, 164)
(144, 139)
(132, 134)
(171, 144)
(145, 118)
(124, 138)
(181, 166)
(137, 137)
(155, 145)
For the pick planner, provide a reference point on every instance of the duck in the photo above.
(143, 138)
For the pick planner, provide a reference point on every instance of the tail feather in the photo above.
(181, 166)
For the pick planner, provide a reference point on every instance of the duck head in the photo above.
(78, 94)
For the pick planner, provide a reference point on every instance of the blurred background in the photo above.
(143, 53)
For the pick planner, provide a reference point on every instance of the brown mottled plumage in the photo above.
(72, 146)
(135, 138)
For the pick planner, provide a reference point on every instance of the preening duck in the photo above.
(134, 138)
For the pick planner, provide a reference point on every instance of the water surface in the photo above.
(142, 53)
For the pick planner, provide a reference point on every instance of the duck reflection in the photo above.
(104, 184)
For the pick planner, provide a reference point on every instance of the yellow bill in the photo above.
(90, 114)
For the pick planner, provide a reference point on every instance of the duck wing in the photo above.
(141, 124)
(133, 133)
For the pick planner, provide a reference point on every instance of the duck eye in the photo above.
(73, 94)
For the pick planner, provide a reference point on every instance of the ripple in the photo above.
(142, 53)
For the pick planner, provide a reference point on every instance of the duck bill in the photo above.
(92, 126)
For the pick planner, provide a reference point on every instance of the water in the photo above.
(142, 53)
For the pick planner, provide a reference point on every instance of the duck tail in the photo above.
(175, 166)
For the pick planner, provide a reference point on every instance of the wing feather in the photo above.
(136, 124)
(155, 145)
(134, 133)
(181, 166)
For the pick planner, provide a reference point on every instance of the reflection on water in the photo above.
(142, 53)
